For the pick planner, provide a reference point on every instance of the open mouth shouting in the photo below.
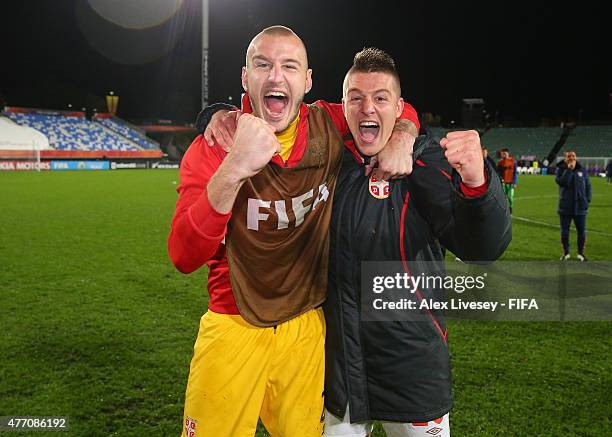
(368, 131)
(276, 104)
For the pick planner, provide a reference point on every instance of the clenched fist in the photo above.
(464, 154)
(253, 147)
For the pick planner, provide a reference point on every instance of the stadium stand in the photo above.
(66, 132)
(16, 137)
(590, 141)
(126, 130)
(536, 141)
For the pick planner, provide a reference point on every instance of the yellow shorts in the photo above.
(240, 372)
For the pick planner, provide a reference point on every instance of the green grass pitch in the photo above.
(97, 325)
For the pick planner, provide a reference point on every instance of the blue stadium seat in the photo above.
(129, 133)
(73, 133)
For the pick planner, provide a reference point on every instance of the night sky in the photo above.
(527, 60)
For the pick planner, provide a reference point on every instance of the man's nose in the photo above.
(367, 106)
(276, 74)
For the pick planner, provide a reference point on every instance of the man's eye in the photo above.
(291, 67)
(355, 99)
(381, 99)
(261, 65)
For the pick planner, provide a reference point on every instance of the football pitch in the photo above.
(96, 324)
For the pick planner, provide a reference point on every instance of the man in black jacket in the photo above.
(398, 371)
(574, 199)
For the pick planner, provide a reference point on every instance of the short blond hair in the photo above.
(276, 30)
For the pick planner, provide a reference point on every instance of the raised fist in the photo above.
(464, 154)
(253, 147)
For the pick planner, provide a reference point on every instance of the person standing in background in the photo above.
(485, 155)
(609, 172)
(574, 199)
(506, 167)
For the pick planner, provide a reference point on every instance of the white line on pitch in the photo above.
(556, 196)
(524, 219)
(535, 197)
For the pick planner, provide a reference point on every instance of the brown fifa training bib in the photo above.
(278, 237)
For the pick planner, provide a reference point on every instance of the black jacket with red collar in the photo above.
(399, 370)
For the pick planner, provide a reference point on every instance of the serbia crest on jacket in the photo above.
(378, 188)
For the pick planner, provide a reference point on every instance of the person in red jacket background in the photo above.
(506, 167)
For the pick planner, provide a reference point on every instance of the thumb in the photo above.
(409, 167)
(277, 144)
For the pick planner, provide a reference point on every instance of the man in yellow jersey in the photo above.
(258, 217)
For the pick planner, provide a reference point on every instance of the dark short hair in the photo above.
(373, 60)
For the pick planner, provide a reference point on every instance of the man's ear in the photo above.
(308, 80)
(400, 107)
(244, 79)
